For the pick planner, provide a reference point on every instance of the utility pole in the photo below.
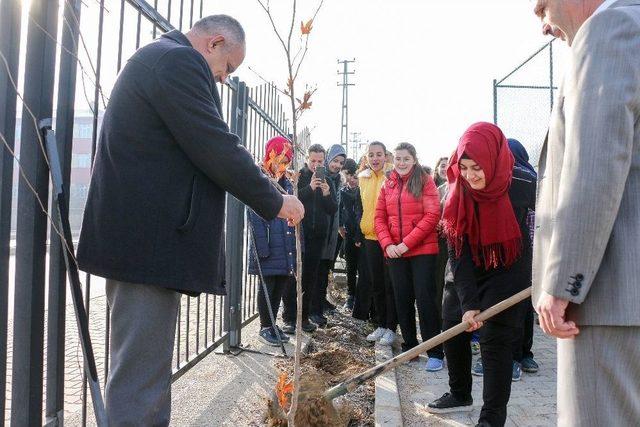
(355, 144)
(344, 129)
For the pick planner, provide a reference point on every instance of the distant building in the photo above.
(80, 167)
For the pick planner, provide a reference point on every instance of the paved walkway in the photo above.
(532, 403)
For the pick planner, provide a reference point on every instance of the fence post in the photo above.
(9, 47)
(57, 270)
(235, 229)
(28, 331)
(495, 102)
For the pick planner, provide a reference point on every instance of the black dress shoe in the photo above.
(319, 320)
(308, 326)
(449, 403)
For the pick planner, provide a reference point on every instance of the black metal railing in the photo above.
(70, 66)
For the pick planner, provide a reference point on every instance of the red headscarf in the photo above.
(492, 230)
(276, 149)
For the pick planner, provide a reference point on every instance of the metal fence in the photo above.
(69, 66)
(523, 99)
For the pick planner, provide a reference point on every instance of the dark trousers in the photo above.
(382, 290)
(276, 286)
(441, 266)
(363, 307)
(524, 348)
(413, 283)
(351, 254)
(319, 295)
(497, 340)
(310, 263)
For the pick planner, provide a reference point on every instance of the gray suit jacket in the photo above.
(587, 240)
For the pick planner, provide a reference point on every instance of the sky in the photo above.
(424, 68)
(423, 72)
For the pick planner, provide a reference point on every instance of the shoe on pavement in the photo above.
(289, 328)
(376, 335)
(529, 365)
(434, 364)
(283, 336)
(308, 326)
(475, 347)
(449, 403)
(388, 338)
(516, 374)
(478, 369)
(319, 320)
(268, 336)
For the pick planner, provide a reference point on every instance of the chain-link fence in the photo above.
(523, 99)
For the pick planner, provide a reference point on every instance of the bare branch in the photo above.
(295, 75)
(268, 82)
(293, 23)
(273, 24)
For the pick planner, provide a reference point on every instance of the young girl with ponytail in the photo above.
(407, 213)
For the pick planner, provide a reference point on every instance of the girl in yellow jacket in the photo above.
(370, 182)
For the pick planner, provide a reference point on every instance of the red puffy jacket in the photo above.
(401, 218)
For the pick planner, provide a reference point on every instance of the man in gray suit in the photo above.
(586, 265)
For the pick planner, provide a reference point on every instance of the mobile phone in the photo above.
(319, 173)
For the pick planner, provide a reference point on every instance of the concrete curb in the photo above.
(387, 410)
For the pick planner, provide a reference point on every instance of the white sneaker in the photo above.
(388, 338)
(376, 335)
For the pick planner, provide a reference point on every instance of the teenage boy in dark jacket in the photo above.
(349, 226)
(315, 195)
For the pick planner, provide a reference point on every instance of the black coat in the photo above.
(156, 205)
(348, 216)
(317, 208)
(475, 288)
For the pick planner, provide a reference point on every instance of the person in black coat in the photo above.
(153, 225)
(490, 260)
(349, 227)
(319, 203)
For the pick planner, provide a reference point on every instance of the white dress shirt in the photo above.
(605, 5)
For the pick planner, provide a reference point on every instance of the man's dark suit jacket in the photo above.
(156, 205)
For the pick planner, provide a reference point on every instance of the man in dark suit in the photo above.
(154, 220)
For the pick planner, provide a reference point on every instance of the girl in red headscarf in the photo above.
(275, 244)
(485, 224)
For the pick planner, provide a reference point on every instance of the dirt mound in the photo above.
(337, 352)
(339, 363)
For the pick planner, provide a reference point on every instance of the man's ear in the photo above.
(214, 42)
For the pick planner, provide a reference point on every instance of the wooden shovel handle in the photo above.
(355, 381)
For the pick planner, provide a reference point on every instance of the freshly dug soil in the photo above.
(336, 353)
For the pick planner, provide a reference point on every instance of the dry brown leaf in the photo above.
(305, 29)
(284, 389)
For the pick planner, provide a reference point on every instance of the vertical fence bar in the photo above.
(155, 27)
(234, 229)
(191, 15)
(181, 13)
(495, 102)
(94, 141)
(28, 332)
(10, 48)
(57, 270)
